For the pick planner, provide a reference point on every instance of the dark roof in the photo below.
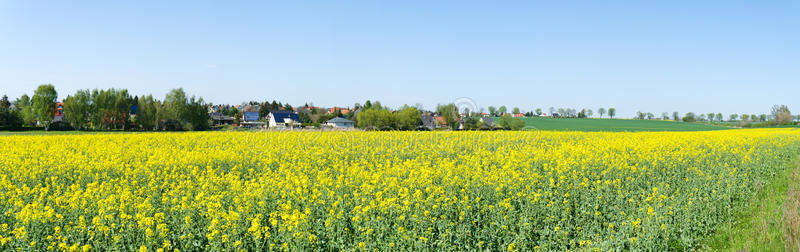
(282, 115)
(488, 120)
(339, 120)
(428, 121)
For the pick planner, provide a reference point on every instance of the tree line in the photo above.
(105, 109)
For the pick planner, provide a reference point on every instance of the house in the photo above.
(340, 109)
(518, 115)
(251, 120)
(340, 123)
(428, 122)
(283, 118)
(488, 122)
(220, 119)
(58, 113)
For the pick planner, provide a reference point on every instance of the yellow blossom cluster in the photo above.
(256, 191)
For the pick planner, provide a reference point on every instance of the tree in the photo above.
(492, 111)
(601, 111)
(781, 114)
(78, 109)
(195, 116)
(612, 112)
(745, 117)
(502, 110)
(44, 99)
(8, 117)
(650, 116)
(733, 117)
(538, 112)
(718, 117)
(375, 117)
(175, 103)
(552, 110)
(147, 113)
(710, 117)
(589, 112)
(665, 116)
(111, 108)
(408, 118)
(690, 117)
(450, 115)
(25, 107)
(676, 116)
(640, 115)
(515, 110)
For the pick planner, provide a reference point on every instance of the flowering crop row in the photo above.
(380, 190)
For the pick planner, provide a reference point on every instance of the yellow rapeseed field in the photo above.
(380, 190)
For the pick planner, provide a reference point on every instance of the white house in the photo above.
(339, 122)
(283, 118)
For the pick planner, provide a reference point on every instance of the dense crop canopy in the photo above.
(384, 190)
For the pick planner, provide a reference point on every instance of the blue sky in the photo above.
(700, 56)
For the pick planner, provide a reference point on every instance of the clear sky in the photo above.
(700, 56)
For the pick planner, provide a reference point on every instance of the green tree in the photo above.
(147, 113)
(175, 104)
(376, 118)
(515, 110)
(25, 107)
(538, 112)
(195, 115)
(612, 112)
(690, 117)
(502, 110)
(733, 117)
(78, 109)
(8, 117)
(718, 117)
(492, 111)
(710, 117)
(676, 116)
(601, 111)
(449, 113)
(408, 118)
(44, 99)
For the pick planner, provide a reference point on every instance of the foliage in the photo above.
(690, 117)
(612, 112)
(408, 118)
(449, 113)
(781, 114)
(78, 109)
(375, 117)
(61, 126)
(43, 102)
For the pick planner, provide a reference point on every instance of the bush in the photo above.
(60, 126)
(173, 125)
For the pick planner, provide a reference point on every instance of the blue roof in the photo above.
(282, 115)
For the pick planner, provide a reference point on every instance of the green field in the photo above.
(586, 124)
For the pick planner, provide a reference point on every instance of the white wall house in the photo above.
(339, 122)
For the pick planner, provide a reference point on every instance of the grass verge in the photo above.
(771, 222)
